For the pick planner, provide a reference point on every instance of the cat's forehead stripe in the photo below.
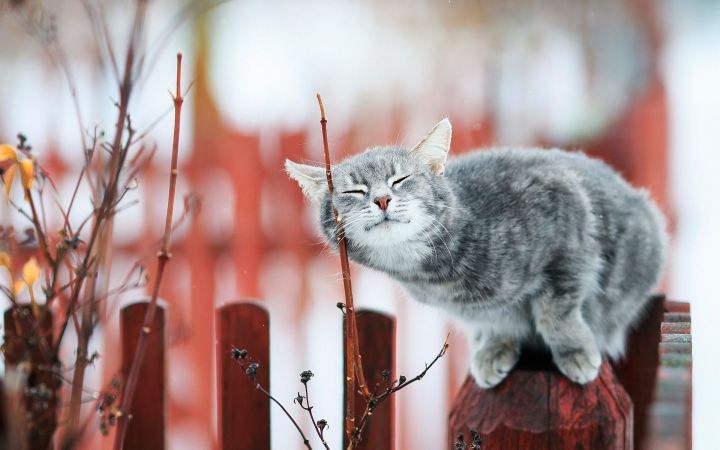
(374, 165)
(353, 179)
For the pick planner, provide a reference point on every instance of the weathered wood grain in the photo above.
(147, 427)
(637, 371)
(243, 411)
(670, 414)
(538, 408)
(25, 341)
(376, 337)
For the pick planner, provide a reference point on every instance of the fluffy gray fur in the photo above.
(524, 247)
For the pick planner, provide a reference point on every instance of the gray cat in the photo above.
(525, 247)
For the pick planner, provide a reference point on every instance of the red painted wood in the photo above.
(24, 341)
(543, 410)
(638, 370)
(243, 411)
(246, 172)
(4, 431)
(214, 148)
(675, 328)
(376, 337)
(147, 427)
(676, 306)
(670, 415)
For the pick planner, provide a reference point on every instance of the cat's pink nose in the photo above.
(383, 201)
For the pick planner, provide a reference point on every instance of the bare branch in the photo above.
(353, 360)
(163, 258)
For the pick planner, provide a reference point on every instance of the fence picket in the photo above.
(637, 371)
(24, 343)
(376, 337)
(243, 411)
(670, 414)
(147, 427)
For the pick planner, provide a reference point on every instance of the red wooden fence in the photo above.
(670, 415)
(244, 412)
(643, 403)
(536, 408)
(148, 422)
(376, 337)
(41, 384)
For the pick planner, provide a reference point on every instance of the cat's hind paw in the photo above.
(492, 364)
(580, 365)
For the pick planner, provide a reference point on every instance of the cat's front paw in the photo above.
(492, 364)
(580, 365)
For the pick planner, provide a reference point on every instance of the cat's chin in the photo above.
(388, 232)
(386, 223)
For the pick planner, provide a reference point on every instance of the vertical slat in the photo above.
(146, 430)
(376, 337)
(671, 410)
(4, 438)
(637, 371)
(244, 412)
(25, 341)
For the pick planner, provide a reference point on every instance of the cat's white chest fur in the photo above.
(399, 258)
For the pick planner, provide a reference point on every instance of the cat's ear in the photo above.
(310, 178)
(434, 147)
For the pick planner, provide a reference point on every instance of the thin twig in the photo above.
(377, 400)
(353, 361)
(39, 230)
(117, 158)
(259, 387)
(163, 258)
(309, 409)
(101, 216)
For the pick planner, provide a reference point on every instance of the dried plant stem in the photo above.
(117, 159)
(88, 267)
(375, 400)
(309, 409)
(354, 375)
(81, 361)
(45, 249)
(163, 258)
(259, 387)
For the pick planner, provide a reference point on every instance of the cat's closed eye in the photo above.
(397, 182)
(355, 191)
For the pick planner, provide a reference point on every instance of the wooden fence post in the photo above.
(638, 370)
(538, 408)
(670, 415)
(25, 341)
(656, 376)
(376, 337)
(147, 426)
(244, 412)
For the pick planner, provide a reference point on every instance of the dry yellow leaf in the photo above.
(8, 179)
(7, 152)
(27, 167)
(5, 260)
(18, 286)
(31, 271)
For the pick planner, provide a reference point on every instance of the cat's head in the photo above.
(384, 196)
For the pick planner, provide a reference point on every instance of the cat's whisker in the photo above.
(438, 233)
(441, 224)
(349, 225)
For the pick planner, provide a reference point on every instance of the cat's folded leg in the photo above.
(570, 339)
(492, 360)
